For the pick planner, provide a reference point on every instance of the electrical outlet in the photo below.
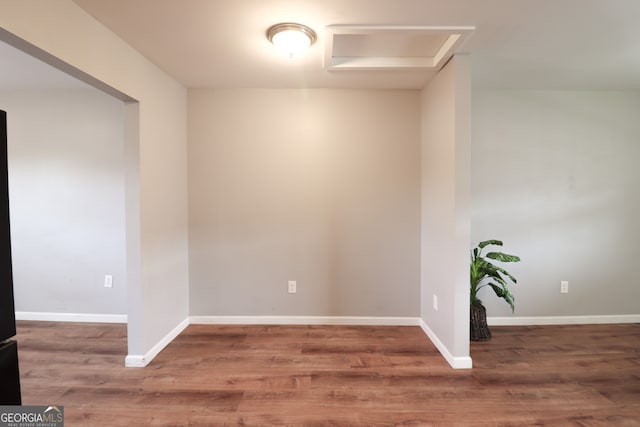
(435, 302)
(292, 286)
(564, 287)
(108, 281)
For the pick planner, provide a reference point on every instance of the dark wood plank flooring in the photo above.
(334, 375)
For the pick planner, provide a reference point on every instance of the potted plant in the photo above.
(485, 273)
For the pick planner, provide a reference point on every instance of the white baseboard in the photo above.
(142, 360)
(562, 320)
(455, 362)
(71, 317)
(304, 320)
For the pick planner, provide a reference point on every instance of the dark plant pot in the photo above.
(479, 330)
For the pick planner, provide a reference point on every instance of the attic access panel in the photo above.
(385, 47)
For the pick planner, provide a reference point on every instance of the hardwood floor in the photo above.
(334, 375)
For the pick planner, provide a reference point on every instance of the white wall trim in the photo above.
(142, 360)
(135, 361)
(304, 320)
(455, 362)
(71, 317)
(562, 320)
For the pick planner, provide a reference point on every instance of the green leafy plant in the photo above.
(484, 273)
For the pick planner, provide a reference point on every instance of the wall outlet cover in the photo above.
(564, 287)
(292, 287)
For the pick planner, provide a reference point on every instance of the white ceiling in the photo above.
(534, 44)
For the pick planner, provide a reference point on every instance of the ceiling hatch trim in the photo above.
(391, 47)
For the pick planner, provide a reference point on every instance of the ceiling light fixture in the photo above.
(291, 38)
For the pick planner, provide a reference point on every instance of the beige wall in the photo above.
(445, 210)
(317, 186)
(157, 253)
(66, 176)
(555, 175)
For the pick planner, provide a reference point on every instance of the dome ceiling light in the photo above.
(291, 38)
